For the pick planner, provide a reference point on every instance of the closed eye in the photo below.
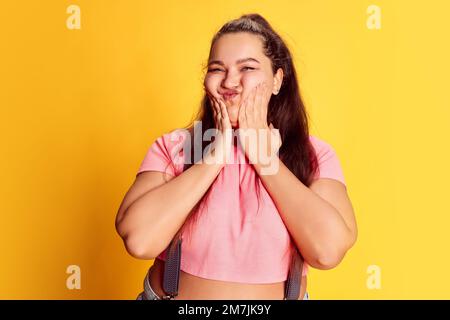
(247, 68)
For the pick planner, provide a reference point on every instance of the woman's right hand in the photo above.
(221, 147)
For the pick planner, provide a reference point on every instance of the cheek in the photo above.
(211, 83)
(252, 82)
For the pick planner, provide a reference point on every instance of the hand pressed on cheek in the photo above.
(255, 135)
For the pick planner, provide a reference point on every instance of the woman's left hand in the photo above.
(259, 141)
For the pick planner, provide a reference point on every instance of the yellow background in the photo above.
(79, 108)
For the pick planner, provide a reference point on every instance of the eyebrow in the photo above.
(238, 61)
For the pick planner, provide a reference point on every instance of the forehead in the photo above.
(234, 46)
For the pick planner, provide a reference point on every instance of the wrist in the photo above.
(269, 166)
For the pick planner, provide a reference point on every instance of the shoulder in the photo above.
(172, 142)
(321, 146)
(165, 152)
(328, 160)
(174, 137)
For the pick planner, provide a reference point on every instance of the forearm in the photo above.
(150, 223)
(317, 228)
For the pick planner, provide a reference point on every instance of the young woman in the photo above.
(240, 223)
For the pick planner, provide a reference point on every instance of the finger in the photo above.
(247, 95)
(226, 123)
(217, 113)
(214, 109)
(223, 109)
(212, 106)
(251, 103)
(241, 108)
(211, 99)
(264, 104)
(217, 108)
(243, 113)
(219, 116)
(220, 110)
(257, 109)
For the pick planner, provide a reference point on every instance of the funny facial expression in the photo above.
(236, 65)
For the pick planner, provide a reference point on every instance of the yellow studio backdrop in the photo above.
(86, 87)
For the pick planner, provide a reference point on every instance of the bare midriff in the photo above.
(195, 288)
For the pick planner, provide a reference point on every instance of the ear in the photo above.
(277, 81)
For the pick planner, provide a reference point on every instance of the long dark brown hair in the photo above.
(286, 110)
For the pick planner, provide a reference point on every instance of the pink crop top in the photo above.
(232, 241)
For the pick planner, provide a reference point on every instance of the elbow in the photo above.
(135, 244)
(331, 257)
(327, 262)
(328, 259)
(139, 249)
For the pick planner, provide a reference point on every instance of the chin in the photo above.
(233, 112)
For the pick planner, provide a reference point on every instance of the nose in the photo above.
(231, 81)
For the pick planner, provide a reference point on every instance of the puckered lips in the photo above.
(230, 95)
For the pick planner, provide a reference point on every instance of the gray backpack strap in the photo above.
(294, 281)
(172, 270)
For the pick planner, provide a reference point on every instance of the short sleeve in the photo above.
(162, 155)
(329, 164)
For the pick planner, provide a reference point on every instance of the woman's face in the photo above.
(236, 65)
